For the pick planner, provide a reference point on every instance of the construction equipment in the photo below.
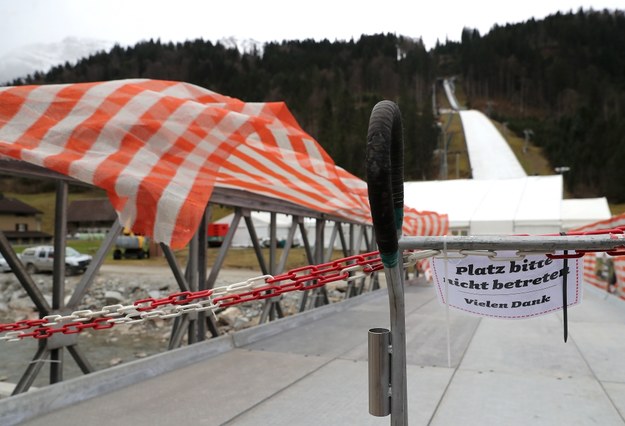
(131, 246)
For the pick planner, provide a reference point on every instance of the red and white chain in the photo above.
(258, 288)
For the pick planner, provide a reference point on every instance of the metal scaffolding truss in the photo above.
(195, 326)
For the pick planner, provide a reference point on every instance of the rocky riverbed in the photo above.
(121, 284)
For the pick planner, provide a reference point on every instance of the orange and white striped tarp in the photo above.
(595, 264)
(158, 148)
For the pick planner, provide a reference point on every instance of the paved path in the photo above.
(312, 370)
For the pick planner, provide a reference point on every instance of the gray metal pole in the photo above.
(399, 391)
(202, 242)
(311, 261)
(544, 243)
(273, 242)
(352, 242)
(379, 372)
(58, 272)
(60, 232)
(192, 276)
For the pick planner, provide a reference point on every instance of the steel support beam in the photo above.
(223, 250)
(242, 201)
(33, 369)
(23, 277)
(175, 268)
(255, 242)
(93, 268)
(80, 359)
(58, 273)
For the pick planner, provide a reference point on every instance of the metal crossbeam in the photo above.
(546, 243)
(194, 278)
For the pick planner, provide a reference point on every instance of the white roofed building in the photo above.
(501, 198)
(576, 212)
(492, 206)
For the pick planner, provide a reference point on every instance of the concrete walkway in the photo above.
(311, 369)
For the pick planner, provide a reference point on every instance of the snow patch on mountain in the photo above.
(243, 46)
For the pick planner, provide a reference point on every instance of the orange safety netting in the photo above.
(158, 148)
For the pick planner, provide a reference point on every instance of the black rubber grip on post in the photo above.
(385, 174)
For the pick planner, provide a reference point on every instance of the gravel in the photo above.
(119, 284)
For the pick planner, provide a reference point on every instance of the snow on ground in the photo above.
(490, 155)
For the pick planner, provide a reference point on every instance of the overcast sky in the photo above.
(27, 22)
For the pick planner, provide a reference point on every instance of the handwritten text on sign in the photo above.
(522, 288)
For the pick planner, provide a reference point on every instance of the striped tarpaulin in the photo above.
(158, 148)
(594, 263)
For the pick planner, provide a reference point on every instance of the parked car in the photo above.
(4, 266)
(41, 258)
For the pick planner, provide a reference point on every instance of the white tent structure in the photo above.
(261, 222)
(576, 212)
(501, 198)
(262, 225)
(529, 204)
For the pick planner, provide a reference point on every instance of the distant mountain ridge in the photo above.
(560, 77)
(330, 87)
(41, 57)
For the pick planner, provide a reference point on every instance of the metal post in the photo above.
(321, 293)
(352, 243)
(309, 257)
(202, 242)
(204, 321)
(273, 242)
(191, 276)
(58, 273)
(379, 372)
(399, 388)
(385, 179)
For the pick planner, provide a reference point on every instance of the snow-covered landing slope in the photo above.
(489, 154)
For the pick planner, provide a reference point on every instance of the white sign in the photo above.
(513, 289)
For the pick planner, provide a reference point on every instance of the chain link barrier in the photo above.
(254, 289)
(176, 304)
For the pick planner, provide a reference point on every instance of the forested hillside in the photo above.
(330, 87)
(562, 77)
